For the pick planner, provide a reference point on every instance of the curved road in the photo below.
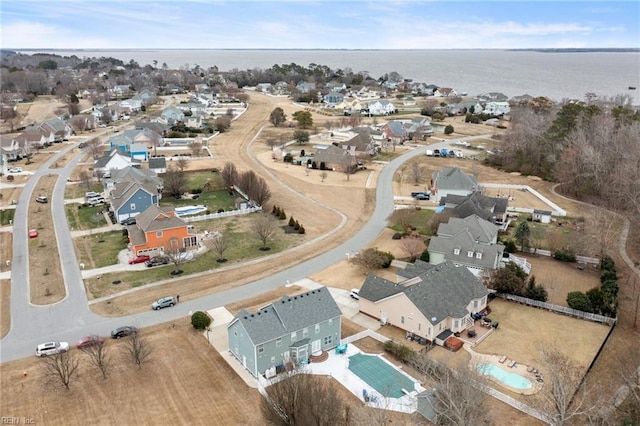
(70, 319)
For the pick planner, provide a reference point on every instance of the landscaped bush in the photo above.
(196, 191)
(389, 258)
(402, 352)
(425, 255)
(510, 246)
(282, 216)
(292, 223)
(301, 230)
(288, 158)
(608, 275)
(607, 264)
(580, 301)
(296, 226)
(200, 320)
(397, 236)
(563, 256)
(323, 166)
(220, 210)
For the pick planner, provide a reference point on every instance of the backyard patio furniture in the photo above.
(502, 359)
(341, 349)
(471, 333)
(512, 364)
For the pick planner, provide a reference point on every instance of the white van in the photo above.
(429, 153)
(96, 201)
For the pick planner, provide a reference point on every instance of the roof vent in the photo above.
(246, 317)
(251, 315)
(259, 312)
(283, 301)
(295, 297)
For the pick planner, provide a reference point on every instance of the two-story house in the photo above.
(492, 209)
(288, 330)
(452, 180)
(130, 198)
(160, 231)
(470, 242)
(429, 301)
(381, 107)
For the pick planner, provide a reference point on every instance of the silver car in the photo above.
(165, 302)
(51, 348)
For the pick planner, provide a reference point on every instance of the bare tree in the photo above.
(181, 163)
(86, 179)
(370, 258)
(218, 243)
(175, 181)
(99, 356)
(196, 148)
(271, 142)
(229, 174)
(416, 173)
(565, 397)
(61, 367)
(302, 399)
(137, 349)
(265, 229)
(175, 252)
(404, 218)
(260, 192)
(94, 147)
(323, 175)
(412, 246)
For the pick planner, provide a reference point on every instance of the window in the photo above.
(158, 234)
(401, 320)
(133, 206)
(260, 349)
(273, 360)
(419, 326)
(317, 328)
(294, 336)
(456, 251)
(279, 342)
(475, 303)
(328, 340)
(305, 332)
(470, 253)
(478, 255)
(455, 324)
(190, 241)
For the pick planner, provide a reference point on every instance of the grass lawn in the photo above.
(387, 155)
(420, 220)
(96, 254)
(78, 191)
(199, 179)
(85, 217)
(243, 246)
(214, 201)
(6, 216)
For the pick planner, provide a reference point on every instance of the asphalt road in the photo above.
(70, 319)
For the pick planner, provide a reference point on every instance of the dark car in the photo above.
(157, 260)
(125, 331)
(128, 221)
(88, 341)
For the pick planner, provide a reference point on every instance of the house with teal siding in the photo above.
(286, 331)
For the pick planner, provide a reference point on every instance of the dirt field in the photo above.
(5, 304)
(46, 283)
(6, 249)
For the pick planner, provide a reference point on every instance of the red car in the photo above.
(87, 341)
(33, 233)
(139, 259)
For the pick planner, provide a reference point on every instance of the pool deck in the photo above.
(337, 366)
(518, 368)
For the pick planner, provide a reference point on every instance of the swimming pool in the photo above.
(512, 380)
(381, 376)
(187, 210)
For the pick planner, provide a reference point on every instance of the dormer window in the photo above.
(479, 255)
(456, 251)
(470, 253)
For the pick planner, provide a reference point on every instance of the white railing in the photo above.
(221, 214)
(557, 210)
(365, 333)
(558, 308)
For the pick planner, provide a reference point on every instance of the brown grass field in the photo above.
(46, 284)
(5, 305)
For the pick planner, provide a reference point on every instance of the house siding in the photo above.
(159, 244)
(142, 200)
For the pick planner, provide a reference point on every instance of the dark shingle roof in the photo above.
(453, 178)
(442, 291)
(157, 218)
(290, 313)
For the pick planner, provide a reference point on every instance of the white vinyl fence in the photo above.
(229, 213)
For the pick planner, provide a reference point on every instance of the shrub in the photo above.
(448, 130)
(399, 350)
(608, 275)
(282, 216)
(389, 258)
(288, 158)
(196, 191)
(510, 246)
(607, 263)
(10, 178)
(323, 166)
(563, 256)
(296, 226)
(200, 320)
(292, 223)
(425, 255)
(220, 210)
(397, 236)
(580, 301)
(301, 230)
(274, 210)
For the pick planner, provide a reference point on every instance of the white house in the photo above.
(497, 108)
(381, 107)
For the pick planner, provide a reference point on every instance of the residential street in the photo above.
(70, 319)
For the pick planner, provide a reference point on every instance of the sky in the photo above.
(325, 24)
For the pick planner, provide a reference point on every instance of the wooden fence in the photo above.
(558, 308)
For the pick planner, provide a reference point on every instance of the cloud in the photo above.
(24, 34)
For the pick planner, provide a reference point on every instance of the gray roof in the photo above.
(289, 314)
(157, 218)
(542, 212)
(475, 203)
(481, 230)
(334, 155)
(453, 178)
(440, 292)
(135, 174)
(157, 163)
(465, 242)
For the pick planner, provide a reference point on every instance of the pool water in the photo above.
(187, 210)
(380, 375)
(513, 380)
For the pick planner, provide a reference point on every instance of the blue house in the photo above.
(129, 199)
(288, 330)
(333, 98)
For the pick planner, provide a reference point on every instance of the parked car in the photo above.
(42, 199)
(164, 302)
(125, 331)
(128, 221)
(355, 294)
(88, 341)
(33, 233)
(157, 260)
(51, 348)
(15, 170)
(91, 194)
(96, 201)
(139, 259)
